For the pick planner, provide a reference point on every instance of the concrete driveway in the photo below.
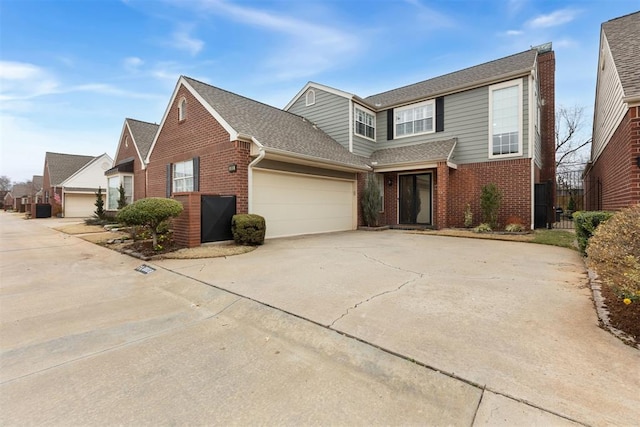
(513, 319)
(349, 328)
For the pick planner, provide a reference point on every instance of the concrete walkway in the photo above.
(86, 339)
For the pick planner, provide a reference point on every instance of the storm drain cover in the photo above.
(145, 269)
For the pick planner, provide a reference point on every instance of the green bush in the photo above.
(248, 229)
(585, 223)
(483, 228)
(614, 252)
(468, 216)
(371, 203)
(151, 212)
(514, 228)
(490, 200)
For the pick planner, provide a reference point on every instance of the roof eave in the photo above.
(303, 159)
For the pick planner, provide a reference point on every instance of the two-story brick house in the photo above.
(433, 145)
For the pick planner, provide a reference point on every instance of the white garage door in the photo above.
(79, 205)
(294, 204)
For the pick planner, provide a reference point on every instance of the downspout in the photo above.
(351, 125)
(533, 110)
(261, 154)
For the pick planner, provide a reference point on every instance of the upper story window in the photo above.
(365, 123)
(183, 176)
(182, 109)
(505, 119)
(414, 119)
(311, 97)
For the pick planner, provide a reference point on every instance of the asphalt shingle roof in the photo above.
(275, 128)
(493, 70)
(143, 134)
(20, 190)
(37, 182)
(623, 36)
(62, 166)
(425, 152)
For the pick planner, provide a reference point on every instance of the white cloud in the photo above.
(308, 48)
(429, 16)
(512, 33)
(20, 80)
(181, 39)
(133, 63)
(559, 17)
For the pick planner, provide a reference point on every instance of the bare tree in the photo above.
(569, 138)
(5, 183)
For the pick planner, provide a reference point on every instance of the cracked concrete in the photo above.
(514, 318)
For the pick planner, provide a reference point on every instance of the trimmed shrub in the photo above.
(151, 212)
(248, 229)
(490, 200)
(468, 216)
(99, 204)
(371, 202)
(614, 252)
(514, 228)
(483, 228)
(585, 223)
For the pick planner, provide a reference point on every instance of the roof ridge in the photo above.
(620, 17)
(243, 97)
(448, 74)
(140, 121)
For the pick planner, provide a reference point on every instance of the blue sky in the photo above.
(72, 70)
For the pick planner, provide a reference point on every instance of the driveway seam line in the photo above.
(475, 413)
(376, 346)
(106, 350)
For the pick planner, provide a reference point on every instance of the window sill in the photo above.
(413, 134)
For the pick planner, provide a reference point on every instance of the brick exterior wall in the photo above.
(513, 179)
(198, 135)
(56, 208)
(139, 174)
(546, 77)
(186, 228)
(616, 168)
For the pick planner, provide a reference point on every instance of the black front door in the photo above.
(415, 199)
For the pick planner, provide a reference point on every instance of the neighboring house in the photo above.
(129, 168)
(38, 194)
(3, 195)
(433, 145)
(612, 176)
(70, 182)
(18, 197)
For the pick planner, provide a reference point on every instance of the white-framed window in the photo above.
(310, 97)
(113, 190)
(414, 119)
(505, 119)
(182, 109)
(365, 123)
(183, 176)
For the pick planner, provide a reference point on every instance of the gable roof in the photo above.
(62, 166)
(142, 134)
(623, 37)
(21, 190)
(37, 182)
(493, 71)
(276, 131)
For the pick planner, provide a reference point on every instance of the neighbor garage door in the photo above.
(295, 204)
(79, 205)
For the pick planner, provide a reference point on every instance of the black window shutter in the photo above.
(169, 180)
(196, 174)
(440, 114)
(390, 120)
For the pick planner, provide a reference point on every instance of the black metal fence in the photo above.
(569, 198)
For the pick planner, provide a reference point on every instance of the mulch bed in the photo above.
(145, 247)
(622, 316)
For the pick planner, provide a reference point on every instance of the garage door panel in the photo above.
(301, 204)
(79, 205)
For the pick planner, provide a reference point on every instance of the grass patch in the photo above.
(562, 238)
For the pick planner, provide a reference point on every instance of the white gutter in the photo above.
(317, 160)
(261, 154)
(350, 125)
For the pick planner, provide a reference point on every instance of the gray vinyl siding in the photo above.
(330, 113)
(466, 117)
(363, 146)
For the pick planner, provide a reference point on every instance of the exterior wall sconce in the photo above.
(389, 182)
(233, 168)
